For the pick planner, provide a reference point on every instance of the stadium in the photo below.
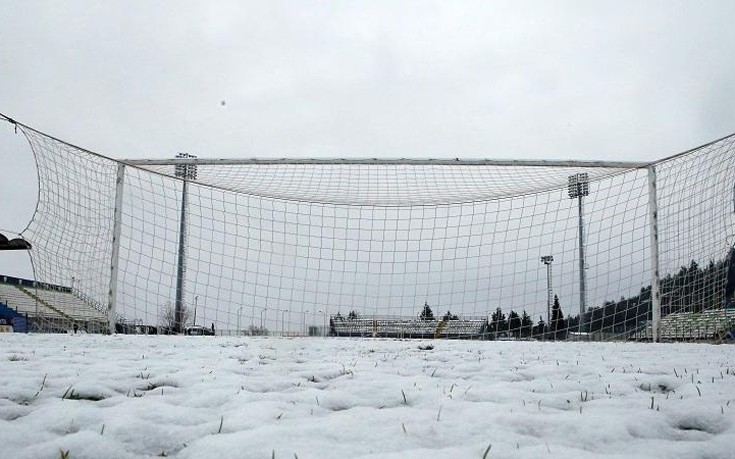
(369, 230)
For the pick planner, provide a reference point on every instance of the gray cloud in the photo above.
(622, 80)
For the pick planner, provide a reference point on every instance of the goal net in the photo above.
(432, 248)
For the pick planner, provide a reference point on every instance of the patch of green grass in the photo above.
(71, 395)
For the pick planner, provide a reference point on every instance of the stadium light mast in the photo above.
(186, 172)
(283, 322)
(547, 260)
(261, 318)
(324, 331)
(579, 187)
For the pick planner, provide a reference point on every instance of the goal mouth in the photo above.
(539, 249)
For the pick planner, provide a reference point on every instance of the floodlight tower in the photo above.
(283, 321)
(579, 187)
(186, 172)
(547, 260)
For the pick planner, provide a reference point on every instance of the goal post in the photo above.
(653, 230)
(363, 246)
(115, 249)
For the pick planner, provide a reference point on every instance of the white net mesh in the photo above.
(313, 247)
(387, 183)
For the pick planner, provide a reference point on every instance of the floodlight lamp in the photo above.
(185, 171)
(579, 185)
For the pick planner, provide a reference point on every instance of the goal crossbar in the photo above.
(387, 162)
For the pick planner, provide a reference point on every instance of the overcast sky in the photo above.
(585, 80)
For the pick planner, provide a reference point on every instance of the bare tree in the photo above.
(254, 330)
(167, 318)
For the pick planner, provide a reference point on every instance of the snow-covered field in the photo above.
(202, 397)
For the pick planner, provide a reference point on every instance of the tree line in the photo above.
(691, 289)
(515, 325)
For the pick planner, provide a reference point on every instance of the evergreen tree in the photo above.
(498, 323)
(730, 282)
(526, 325)
(426, 313)
(692, 288)
(514, 324)
(540, 328)
(558, 324)
(450, 316)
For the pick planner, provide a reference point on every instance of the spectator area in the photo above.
(400, 327)
(50, 307)
(710, 325)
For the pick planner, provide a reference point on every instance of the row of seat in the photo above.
(51, 304)
(407, 327)
(16, 298)
(69, 304)
(712, 324)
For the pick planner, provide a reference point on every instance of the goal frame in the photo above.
(628, 165)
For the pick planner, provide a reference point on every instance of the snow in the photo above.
(201, 397)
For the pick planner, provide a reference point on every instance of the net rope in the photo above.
(362, 249)
(385, 185)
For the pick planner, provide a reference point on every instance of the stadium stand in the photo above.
(50, 307)
(709, 325)
(401, 327)
(11, 320)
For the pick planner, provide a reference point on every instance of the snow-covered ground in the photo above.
(202, 397)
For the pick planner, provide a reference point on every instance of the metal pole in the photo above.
(181, 268)
(115, 258)
(548, 293)
(655, 281)
(579, 188)
(324, 323)
(547, 260)
(582, 276)
(186, 173)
